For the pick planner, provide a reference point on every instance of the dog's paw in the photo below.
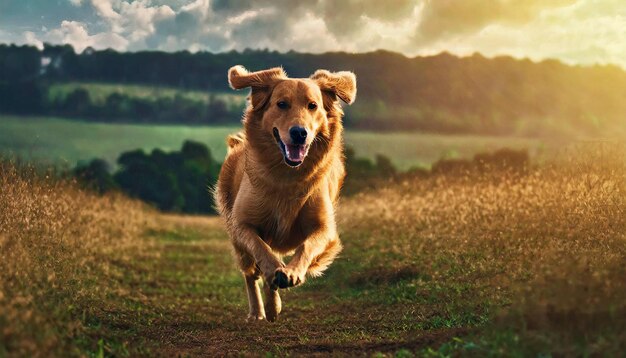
(269, 273)
(285, 277)
(255, 318)
(272, 316)
(273, 306)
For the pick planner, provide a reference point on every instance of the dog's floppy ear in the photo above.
(340, 84)
(261, 82)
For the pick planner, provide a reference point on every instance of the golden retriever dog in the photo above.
(278, 187)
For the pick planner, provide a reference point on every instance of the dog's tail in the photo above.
(234, 140)
(321, 262)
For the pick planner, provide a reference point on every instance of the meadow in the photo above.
(65, 142)
(98, 92)
(483, 264)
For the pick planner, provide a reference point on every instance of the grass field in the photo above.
(98, 92)
(60, 141)
(492, 265)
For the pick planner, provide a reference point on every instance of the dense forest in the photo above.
(442, 93)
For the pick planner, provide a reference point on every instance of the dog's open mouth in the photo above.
(293, 153)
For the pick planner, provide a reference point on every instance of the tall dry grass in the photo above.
(549, 245)
(56, 242)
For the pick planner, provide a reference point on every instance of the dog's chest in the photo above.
(281, 228)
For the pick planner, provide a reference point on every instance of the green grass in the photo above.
(66, 142)
(100, 91)
(188, 298)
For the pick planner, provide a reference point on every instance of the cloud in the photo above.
(346, 19)
(31, 39)
(343, 19)
(449, 17)
(9, 37)
(577, 31)
(105, 9)
(76, 34)
(584, 32)
(193, 27)
(134, 20)
(310, 26)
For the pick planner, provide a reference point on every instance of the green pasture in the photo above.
(65, 142)
(98, 92)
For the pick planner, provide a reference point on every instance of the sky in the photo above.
(573, 31)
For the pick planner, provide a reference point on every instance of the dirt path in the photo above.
(183, 296)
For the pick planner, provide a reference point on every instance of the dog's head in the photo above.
(294, 111)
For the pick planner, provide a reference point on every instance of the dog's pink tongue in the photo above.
(295, 153)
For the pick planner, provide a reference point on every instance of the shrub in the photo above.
(77, 103)
(509, 160)
(175, 181)
(96, 175)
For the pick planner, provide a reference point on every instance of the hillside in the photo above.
(527, 264)
(441, 93)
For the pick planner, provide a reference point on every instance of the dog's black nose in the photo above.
(298, 135)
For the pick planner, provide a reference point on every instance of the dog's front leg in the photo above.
(295, 272)
(246, 239)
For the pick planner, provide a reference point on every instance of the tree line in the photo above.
(441, 93)
(119, 107)
(181, 181)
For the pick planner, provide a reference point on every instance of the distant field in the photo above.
(100, 91)
(65, 142)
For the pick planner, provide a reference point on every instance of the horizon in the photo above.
(574, 32)
(380, 50)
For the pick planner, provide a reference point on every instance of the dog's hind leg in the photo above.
(255, 301)
(273, 304)
(251, 275)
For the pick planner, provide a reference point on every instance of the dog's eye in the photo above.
(312, 105)
(282, 105)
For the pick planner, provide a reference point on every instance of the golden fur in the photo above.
(271, 208)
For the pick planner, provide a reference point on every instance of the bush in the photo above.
(77, 103)
(96, 176)
(363, 173)
(122, 107)
(509, 160)
(175, 181)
